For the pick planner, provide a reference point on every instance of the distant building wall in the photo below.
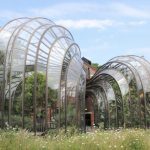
(89, 69)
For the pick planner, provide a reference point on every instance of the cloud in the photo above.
(76, 9)
(88, 8)
(105, 14)
(64, 9)
(145, 51)
(130, 11)
(86, 23)
(8, 14)
(99, 24)
(137, 23)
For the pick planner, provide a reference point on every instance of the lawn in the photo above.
(126, 139)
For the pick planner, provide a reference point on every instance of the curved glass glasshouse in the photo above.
(42, 81)
(120, 91)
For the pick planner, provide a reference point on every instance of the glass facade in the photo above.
(125, 82)
(42, 81)
(43, 84)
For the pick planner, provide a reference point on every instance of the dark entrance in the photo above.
(88, 119)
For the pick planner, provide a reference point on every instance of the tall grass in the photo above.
(128, 139)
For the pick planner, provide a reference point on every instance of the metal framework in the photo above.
(43, 83)
(125, 80)
(32, 49)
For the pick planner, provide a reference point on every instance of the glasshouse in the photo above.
(120, 92)
(42, 81)
(45, 84)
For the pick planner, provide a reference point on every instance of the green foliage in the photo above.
(2, 57)
(40, 94)
(133, 139)
(95, 65)
(128, 104)
(29, 88)
(71, 131)
(134, 143)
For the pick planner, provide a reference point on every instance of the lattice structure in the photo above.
(40, 72)
(121, 90)
(43, 83)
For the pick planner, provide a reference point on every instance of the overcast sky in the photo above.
(102, 28)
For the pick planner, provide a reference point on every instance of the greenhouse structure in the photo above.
(44, 84)
(120, 90)
(42, 81)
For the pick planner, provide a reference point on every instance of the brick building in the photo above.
(89, 105)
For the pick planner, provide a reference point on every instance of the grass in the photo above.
(127, 139)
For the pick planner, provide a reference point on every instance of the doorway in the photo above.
(88, 119)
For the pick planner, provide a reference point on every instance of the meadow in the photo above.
(124, 139)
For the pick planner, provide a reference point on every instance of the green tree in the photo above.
(95, 65)
(40, 94)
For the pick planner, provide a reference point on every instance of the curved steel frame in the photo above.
(47, 48)
(133, 72)
(33, 46)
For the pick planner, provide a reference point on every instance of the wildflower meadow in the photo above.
(125, 139)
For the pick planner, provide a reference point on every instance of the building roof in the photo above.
(86, 60)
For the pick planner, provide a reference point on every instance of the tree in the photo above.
(95, 65)
(40, 94)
